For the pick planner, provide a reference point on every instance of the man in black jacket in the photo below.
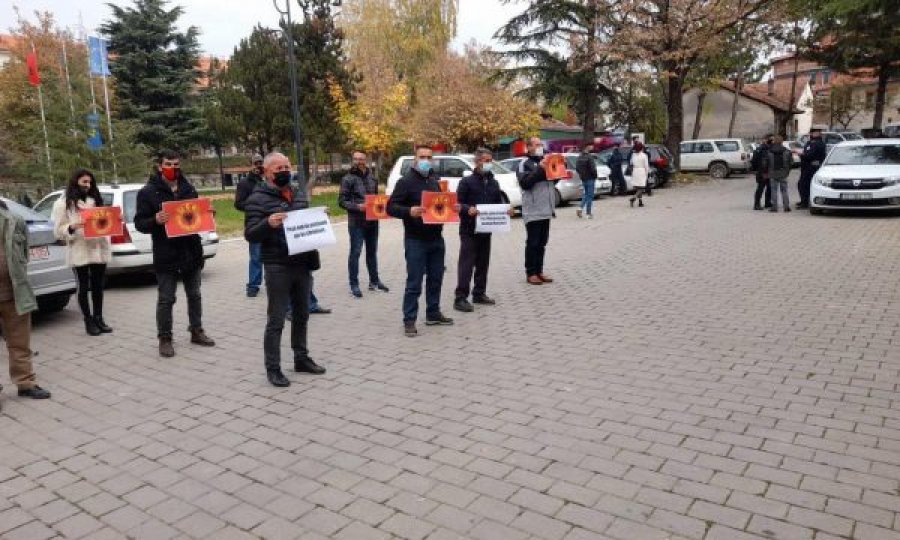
(244, 188)
(586, 167)
(814, 153)
(762, 177)
(424, 244)
(616, 170)
(358, 183)
(172, 257)
(475, 248)
(288, 277)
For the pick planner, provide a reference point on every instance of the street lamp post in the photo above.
(295, 103)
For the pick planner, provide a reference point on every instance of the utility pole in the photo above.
(287, 27)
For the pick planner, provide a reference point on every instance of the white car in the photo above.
(133, 251)
(858, 175)
(718, 156)
(453, 168)
(566, 190)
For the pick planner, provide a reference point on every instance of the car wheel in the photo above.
(815, 211)
(718, 170)
(557, 198)
(53, 303)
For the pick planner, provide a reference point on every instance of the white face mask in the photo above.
(539, 151)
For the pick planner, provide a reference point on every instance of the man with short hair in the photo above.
(424, 244)
(616, 166)
(814, 153)
(355, 185)
(288, 277)
(777, 165)
(762, 175)
(538, 198)
(586, 168)
(244, 188)
(173, 258)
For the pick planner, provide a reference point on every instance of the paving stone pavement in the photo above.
(697, 371)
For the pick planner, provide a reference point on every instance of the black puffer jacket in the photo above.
(262, 203)
(184, 253)
(245, 187)
(354, 188)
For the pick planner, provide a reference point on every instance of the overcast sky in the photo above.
(224, 22)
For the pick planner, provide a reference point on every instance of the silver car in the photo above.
(49, 275)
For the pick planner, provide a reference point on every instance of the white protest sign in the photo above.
(309, 229)
(492, 218)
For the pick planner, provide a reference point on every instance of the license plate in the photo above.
(856, 196)
(39, 253)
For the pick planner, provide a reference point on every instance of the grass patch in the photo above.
(230, 220)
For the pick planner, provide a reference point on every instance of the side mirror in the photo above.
(466, 173)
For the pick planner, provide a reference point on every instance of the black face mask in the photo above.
(282, 178)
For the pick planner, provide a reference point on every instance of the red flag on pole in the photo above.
(33, 76)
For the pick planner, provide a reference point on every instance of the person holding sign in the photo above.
(288, 277)
(87, 256)
(424, 244)
(358, 183)
(478, 188)
(538, 198)
(173, 258)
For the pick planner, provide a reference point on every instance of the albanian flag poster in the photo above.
(555, 165)
(191, 216)
(376, 207)
(439, 207)
(102, 222)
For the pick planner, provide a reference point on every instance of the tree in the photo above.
(376, 123)
(154, 66)
(840, 105)
(860, 35)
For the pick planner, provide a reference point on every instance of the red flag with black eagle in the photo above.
(33, 76)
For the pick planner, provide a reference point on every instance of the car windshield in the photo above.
(852, 136)
(875, 154)
(24, 212)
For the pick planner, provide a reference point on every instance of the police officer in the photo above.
(814, 152)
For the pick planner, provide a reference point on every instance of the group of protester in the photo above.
(772, 162)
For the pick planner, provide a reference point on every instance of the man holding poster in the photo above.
(537, 209)
(424, 244)
(358, 183)
(173, 258)
(288, 277)
(479, 188)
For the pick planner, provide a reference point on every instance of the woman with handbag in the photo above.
(640, 172)
(87, 256)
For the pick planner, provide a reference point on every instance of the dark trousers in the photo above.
(90, 276)
(424, 260)
(167, 284)
(806, 176)
(762, 185)
(474, 255)
(618, 183)
(286, 286)
(537, 236)
(256, 268)
(363, 235)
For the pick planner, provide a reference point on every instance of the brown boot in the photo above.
(199, 337)
(166, 350)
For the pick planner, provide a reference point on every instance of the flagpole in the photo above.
(68, 82)
(103, 64)
(44, 125)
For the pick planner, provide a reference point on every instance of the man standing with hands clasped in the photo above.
(475, 248)
(538, 198)
(424, 244)
(358, 183)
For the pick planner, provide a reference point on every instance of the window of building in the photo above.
(826, 77)
(812, 78)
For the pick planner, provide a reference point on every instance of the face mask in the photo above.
(424, 166)
(282, 178)
(487, 167)
(169, 173)
(539, 151)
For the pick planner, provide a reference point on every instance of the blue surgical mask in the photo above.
(487, 167)
(424, 166)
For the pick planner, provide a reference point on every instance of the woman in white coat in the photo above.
(640, 172)
(87, 256)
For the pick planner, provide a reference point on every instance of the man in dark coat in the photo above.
(173, 258)
(288, 277)
(762, 177)
(244, 188)
(358, 183)
(814, 153)
(616, 166)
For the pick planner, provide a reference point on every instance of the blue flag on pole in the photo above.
(98, 56)
(94, 141)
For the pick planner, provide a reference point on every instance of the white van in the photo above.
(453, 168)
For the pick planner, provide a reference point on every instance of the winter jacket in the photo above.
(262, 203)
(616, 165)
(183, 253)
(408, 193)
(354, 187)
(814, 153)
(537, 192)
(586, 167)
(14, 235)
(756, 159)
(777, 162)
(477, 188)
(640, 169)
(81, 251)
(245, 187)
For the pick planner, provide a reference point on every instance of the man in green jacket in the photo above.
(16, 303)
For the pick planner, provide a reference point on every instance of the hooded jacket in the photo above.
(183, 253)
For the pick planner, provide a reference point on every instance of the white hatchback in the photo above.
(453, 168)
(858, 175)
(566, 190)
(133, 251)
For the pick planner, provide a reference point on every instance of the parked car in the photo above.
(49, 275)
(832, 138)
(891, 131)
(453, 168)
(603, 158)
(858, 175)
(566, 190)
(720, 157)
(603, 184)
(133, 250)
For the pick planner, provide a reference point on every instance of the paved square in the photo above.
(697, 371)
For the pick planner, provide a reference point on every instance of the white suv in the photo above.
(858, 175)
(720, 157)
(133, 251)
(453, 168)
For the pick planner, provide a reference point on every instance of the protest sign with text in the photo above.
(308, 229)
(492, 218)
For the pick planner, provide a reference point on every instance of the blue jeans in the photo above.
(424, 260)
(367, 235)
(587, 200)
(256, 268)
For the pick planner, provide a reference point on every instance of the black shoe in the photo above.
(252, 293)
(35, 392)
(787, 209)
(439, 320)
(773, 210)
(277, 378)
(409, 329)
(463, 305)
(640, 203)
(379, 286)
(199, 337)
(757, 207)
(166, 349)
(483, 299)
(307, 365)
(354, 290)
(631, 201)
(90, 326)
(319, 310)
(101, 324)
